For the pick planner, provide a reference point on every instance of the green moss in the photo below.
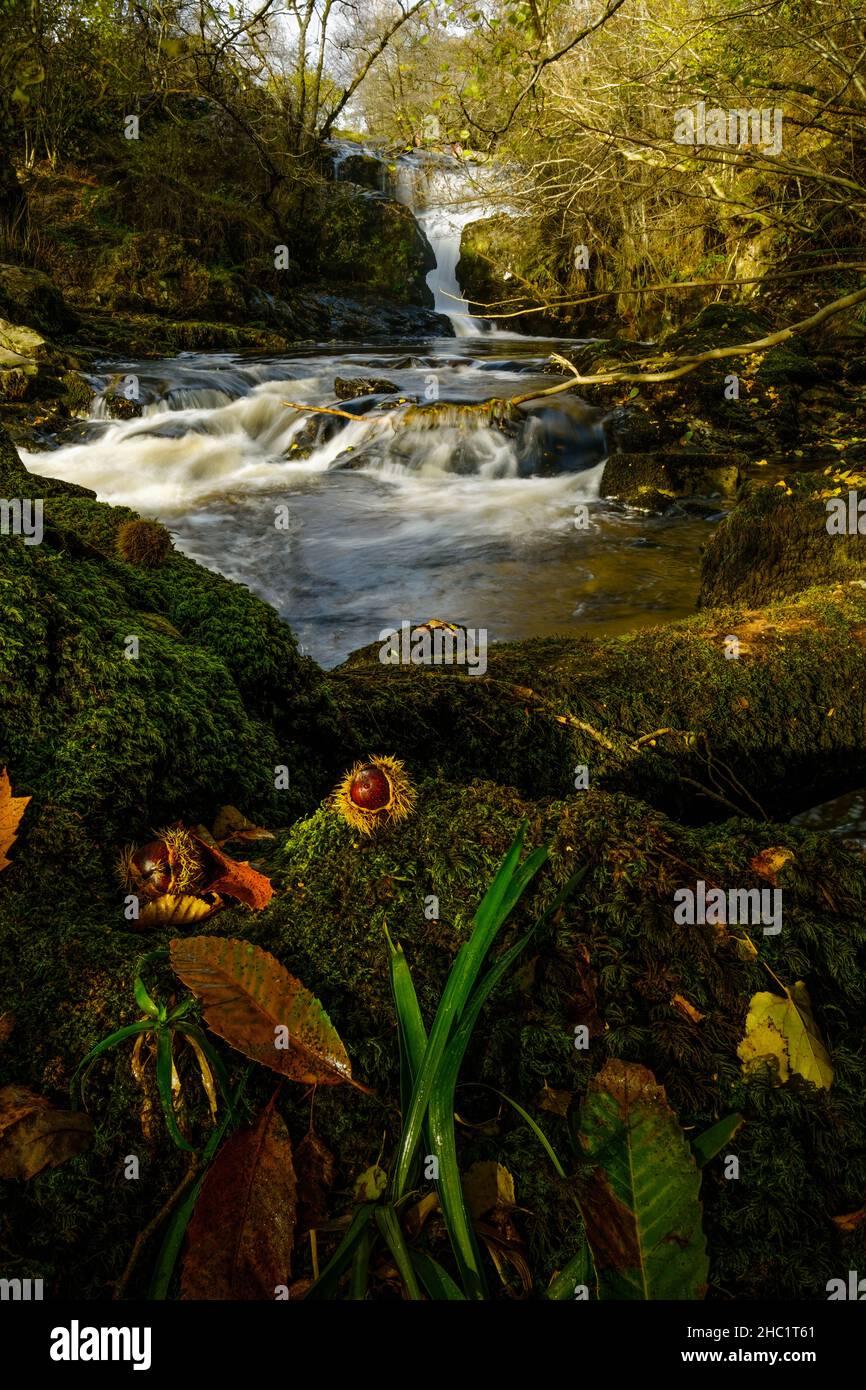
(211, 701)
(547, 705)
(773, 544)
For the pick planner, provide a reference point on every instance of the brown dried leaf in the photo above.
(556, 1102)
(689, 1011)
(7, 1023)
(232, 824)
(34, 1135)
(241, 1235)
(256, 1005)
(237, 879)
(488, 1187)
(851, 1221)
(314, 1166)
(11, 810)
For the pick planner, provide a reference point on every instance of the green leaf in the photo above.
(144, 1025)
(389, 1224)
(713, 1140)
(343, 1256)
(640, 1199)
(578, 1272)
(143, 999)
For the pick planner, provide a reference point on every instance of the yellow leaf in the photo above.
(11, 811)
(783, 1032)
(770, 862)
(488, 1186)
(170, 911)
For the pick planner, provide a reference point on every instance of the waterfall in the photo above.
(441, 195)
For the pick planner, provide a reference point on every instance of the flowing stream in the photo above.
(351, 526)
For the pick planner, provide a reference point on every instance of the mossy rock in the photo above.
(366, 241)
(677, 473)
(773, 544)
(215, 700)
(29, 296)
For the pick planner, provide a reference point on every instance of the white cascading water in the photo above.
(444, 198)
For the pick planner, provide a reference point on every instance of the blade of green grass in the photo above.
(361, 1267)
(342, 1257)
(437, 1282)
(163, 1084)
(131, 1030)
(389, 1224)
(533, 1125)
(488, 920)
(443, 1140)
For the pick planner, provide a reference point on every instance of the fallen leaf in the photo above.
(241, 1236)
(170, 911)
(259, 1008)
(852, 1221)
(314, 1167)
(417, 1216)
(370, 1185)
(11, 810)
(232, 824)
(680, 1002)
(556, 1102)
(488, 1187)
(35, 1135)
(237, 879)
(640, 1199)
(782, 1032)
(770, 862)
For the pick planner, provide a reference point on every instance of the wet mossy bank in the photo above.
(612, 960)
(736, 708)
(111, 748)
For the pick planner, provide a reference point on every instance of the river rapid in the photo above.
(349, 527)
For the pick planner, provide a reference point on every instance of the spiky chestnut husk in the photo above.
(145, 869)
(173, 863)
(186, 860)
(144, 543)
(373, 794)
